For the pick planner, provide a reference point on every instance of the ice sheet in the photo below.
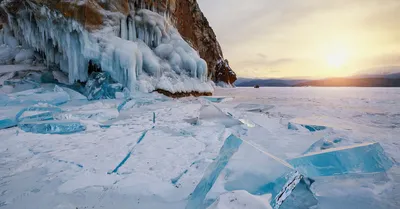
(362, 158)
(50, 171)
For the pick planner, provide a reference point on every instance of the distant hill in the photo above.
(380, 80)
(354, 82)
(247, 82)
(390, 76)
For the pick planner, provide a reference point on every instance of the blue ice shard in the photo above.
(214, 99)
(42, 113)
(52, 127)
(292, 126)
(301, 197)
(325, 143)
(7, 123)
(21, 84)
(242, 166)
(230, 147)
(311, 128)
(256, 108)
(11, 116)
(362, 158)
(101, 86)
(7, 116)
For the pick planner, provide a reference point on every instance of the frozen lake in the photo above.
(154, 152)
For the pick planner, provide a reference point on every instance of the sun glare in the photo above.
(337, 58)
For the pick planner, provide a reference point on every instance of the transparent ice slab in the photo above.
(241, 166)
(52, 127)
(254, 107)
(21, 84)
(214, 99)
(10, 116)
(327, 142)
(30, 97)
(39, 113)
(362, 158)
(214, 114)
(311, 128)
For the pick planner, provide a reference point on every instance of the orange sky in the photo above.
(307, 38)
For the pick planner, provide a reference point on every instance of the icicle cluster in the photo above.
(146, 45)
(151, 29)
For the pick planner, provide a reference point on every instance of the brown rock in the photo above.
(194, 27)
(224, 73)
(183, 94)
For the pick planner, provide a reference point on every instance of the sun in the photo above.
(337, 58)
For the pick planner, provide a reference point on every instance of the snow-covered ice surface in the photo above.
(152, 151)
(351, 116)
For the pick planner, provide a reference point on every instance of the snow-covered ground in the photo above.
(155, 150)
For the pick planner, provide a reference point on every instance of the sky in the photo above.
(307, 38)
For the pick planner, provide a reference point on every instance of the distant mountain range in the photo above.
(248, 82)
(381, 80)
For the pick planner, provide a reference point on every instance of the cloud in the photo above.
(262, 55)
(387, 59)
(263, 62)
(382, 70)
(261, 67)
(260, 72)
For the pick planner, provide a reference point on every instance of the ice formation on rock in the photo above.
(144, 52)
(13, 51)
(100, 86)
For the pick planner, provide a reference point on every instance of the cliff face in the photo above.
(194, 27)
(184, 14)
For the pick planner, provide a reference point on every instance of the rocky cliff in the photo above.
(185, 15)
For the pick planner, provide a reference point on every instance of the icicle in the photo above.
(1, 36)
(131, 29)
(124, 29)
